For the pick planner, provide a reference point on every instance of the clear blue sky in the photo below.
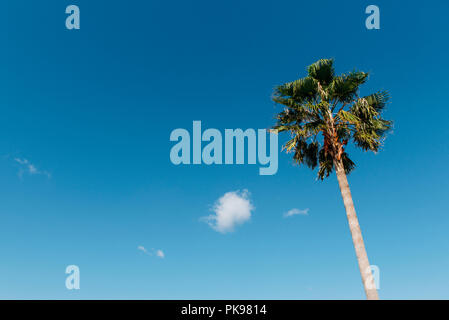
(92, 111)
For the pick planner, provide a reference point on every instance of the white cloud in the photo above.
(158, 253)
(28, 167)
(142, 248)
(232, 209)
(294, 212)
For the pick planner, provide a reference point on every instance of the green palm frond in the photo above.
(348, 165)
(315, 127)
(300, 91)
(344, 88)
(378, 100)
(326, 164)
(348, 117)
(306, 153)
(322, 71)
(363, 110)
(323, 113)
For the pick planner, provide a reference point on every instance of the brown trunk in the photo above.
(362, 257)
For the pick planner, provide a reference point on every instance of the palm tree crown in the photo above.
(323, 112)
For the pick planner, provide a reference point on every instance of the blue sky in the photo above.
(92, 111)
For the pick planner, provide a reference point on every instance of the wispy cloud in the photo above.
(294, 212)
(26, 167)
(232, 209)
(159, 253)
(142, 248)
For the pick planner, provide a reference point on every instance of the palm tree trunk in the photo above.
(362, 257)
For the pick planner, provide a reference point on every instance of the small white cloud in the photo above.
(28, 167)
(232, 209)
(142, 248)
(294, 212)
(21, 161)
(160, 254)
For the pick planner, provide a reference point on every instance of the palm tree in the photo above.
(323, 112)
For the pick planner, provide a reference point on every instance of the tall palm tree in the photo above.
(323, 112)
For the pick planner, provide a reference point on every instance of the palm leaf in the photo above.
(322, 71)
